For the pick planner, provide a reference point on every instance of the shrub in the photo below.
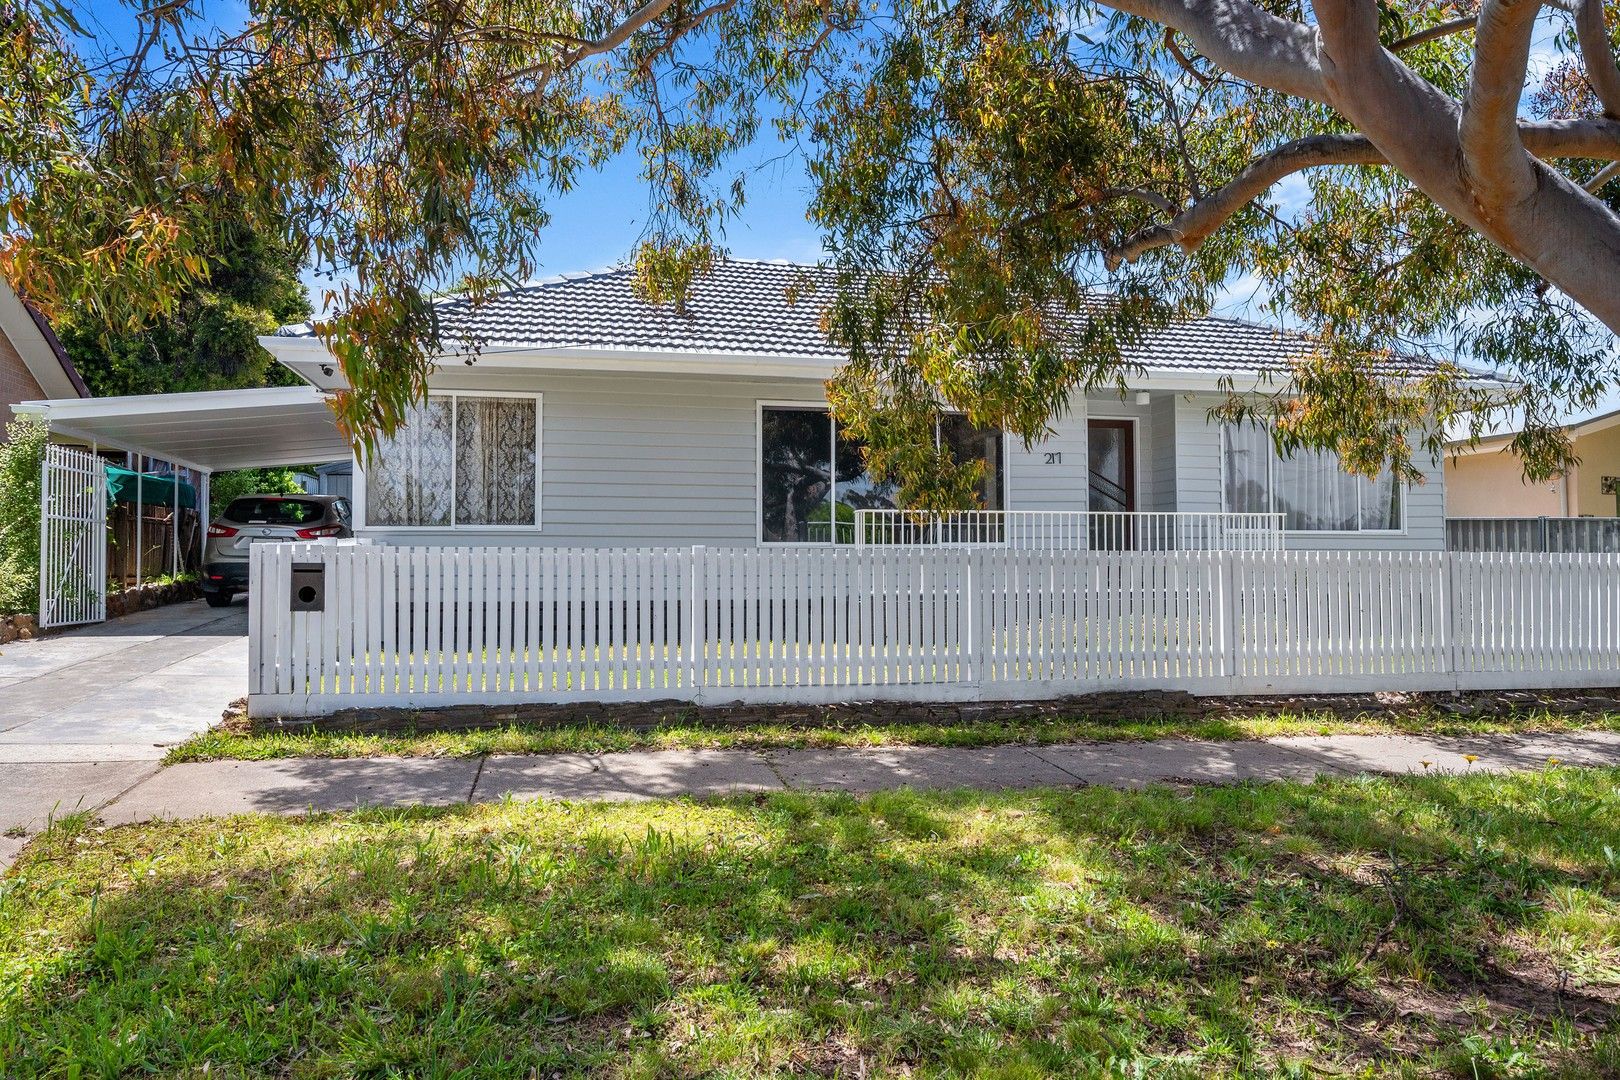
(21, 455)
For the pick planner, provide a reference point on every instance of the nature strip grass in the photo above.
(1463, 926)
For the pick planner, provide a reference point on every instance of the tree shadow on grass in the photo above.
(1177, 932)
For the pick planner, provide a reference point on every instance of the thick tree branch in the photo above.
(1242, 39)
(1492, 154)
(1190, 227)
(1194, 224)
(1433, 33)
(1592, 32)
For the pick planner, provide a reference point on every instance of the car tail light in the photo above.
(221, 530)
(319, 531)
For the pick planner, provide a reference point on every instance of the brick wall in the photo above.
(16, 383)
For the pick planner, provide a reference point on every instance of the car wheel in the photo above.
(218, 599)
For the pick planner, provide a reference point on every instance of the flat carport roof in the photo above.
(209, 431)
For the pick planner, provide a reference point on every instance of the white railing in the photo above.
(1060, 530)
(418, 627)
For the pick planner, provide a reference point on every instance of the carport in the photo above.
(205, 432)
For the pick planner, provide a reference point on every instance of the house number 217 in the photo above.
(1055, 458)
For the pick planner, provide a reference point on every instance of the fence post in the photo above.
(1227, 613)
(1450, 597)
(697, 674)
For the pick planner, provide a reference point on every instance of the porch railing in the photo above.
(1057, 530)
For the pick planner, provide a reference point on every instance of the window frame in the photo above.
(822, 405)
(360, 501)
(1271, 496)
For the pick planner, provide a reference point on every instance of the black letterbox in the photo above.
(308, 587)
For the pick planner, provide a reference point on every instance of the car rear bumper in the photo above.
(225, 575)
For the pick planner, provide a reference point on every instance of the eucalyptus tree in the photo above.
(1012, 192)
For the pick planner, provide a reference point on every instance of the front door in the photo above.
(1111, 446)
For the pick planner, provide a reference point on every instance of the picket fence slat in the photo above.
(439, 626)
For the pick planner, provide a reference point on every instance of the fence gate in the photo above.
(72, 538)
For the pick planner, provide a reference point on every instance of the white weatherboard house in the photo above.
(613, 501)
(592, 418)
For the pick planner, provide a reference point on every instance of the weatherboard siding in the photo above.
(653, 459)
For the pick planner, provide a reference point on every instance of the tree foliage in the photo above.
(1013, 192)
(210, 339)
(22, 453)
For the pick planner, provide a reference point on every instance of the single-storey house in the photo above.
(591, 417)
(588, 417)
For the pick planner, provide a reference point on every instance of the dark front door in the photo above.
(1111, 446)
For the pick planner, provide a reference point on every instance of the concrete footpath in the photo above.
(298, 785)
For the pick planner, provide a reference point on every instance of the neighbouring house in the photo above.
(33, 365)
(1486, 479)
(590, 417)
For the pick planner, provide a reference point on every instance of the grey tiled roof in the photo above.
(743, 307)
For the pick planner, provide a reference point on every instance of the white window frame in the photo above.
(1271, 497)
(359, 500)
(812, 405)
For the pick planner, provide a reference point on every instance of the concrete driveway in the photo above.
(88, 713)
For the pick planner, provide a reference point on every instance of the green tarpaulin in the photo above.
(154, 490)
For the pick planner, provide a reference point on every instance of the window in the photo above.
(813, 479)
(459, 461)
(1310, 489)
(269, 510)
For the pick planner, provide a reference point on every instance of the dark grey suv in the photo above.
(254, 519)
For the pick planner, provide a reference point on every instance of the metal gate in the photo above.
(72, 538)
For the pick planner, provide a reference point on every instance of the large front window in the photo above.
(459, 461)
(813, 478)
(1310, 489)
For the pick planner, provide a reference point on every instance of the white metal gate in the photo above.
(72, 538)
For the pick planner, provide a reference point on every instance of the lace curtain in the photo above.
(480, 448)
(1309, 489)
(494, 461)
(408, 480)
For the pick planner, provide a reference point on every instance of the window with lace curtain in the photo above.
(460, 461)
(1310, 489)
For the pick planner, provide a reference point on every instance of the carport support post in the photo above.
(174, 521)
(140, 512)
(204, 504)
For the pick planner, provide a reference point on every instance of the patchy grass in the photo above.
(679, 734)
(1464, 926)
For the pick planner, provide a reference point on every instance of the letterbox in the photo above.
(308, 587)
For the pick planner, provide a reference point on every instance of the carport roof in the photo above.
(211, 430)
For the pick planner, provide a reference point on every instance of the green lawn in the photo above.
(1463, 926)
(682, 733)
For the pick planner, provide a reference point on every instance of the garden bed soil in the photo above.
(1133, 706)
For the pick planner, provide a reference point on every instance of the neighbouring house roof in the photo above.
(42, 354)
(762, 309)
(1497, 440)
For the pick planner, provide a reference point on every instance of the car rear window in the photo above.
(262, 511)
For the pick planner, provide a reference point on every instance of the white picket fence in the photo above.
(426, 626)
